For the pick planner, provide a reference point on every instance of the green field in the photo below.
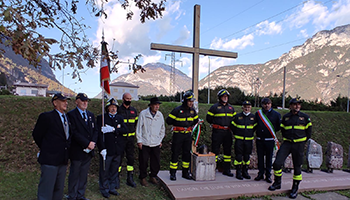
(20, 172)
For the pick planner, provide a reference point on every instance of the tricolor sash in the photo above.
(269, 127)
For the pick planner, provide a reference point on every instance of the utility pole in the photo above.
(172, 72)
(208, 82)
(284, 88)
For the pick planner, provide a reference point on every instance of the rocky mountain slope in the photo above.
(317, 70)
(18, 69)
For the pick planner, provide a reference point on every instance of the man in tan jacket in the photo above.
(150, 131)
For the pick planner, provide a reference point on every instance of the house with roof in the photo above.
(119, 88)
(30, 89)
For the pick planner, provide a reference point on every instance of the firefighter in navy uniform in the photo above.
(243, 127)
(220, 116)
(296, 129)
(183, 118)
(130, 119)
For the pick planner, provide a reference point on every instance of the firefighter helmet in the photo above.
(110, 102)
(189, 96)
(294, 101)
(223, 92)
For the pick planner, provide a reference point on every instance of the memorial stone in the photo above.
(253, 158)
(314, 155)
(203, 166)
(334, 156)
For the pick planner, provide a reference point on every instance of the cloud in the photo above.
(240, 43)
(311, 11)
(184, 35)
(340, 14)
(266, 28)
(303, 33)
(215, 63)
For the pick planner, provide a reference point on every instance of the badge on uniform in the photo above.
(132, 112)
(219, 107)
(230, 108)
(301, 118)
(252, 118)
(240, 117)
(192, 112)
(287, 118)
(181, 111)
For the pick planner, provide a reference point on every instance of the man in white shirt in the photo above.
(150, 131)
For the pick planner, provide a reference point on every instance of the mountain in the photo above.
(16, 68)
(317, 70)
(156, 80)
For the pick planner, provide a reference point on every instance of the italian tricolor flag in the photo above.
(104, 71)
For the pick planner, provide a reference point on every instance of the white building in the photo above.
(30, 89)
(119, 88)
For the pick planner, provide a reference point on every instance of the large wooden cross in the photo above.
(195, 50)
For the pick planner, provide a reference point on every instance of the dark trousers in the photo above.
(297, 151)
(265, 148)
(108, 172)
(51, 183)
(224, 138)
(243, 149)
(181, 141)
(77, 178)
(152, 154)
(129, 151)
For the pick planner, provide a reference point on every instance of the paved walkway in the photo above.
(320, 196)
(224, 187)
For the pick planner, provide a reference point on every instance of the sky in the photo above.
(258, 30)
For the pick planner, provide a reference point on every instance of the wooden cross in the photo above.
(195, 50)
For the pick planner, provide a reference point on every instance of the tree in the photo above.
(22, 20)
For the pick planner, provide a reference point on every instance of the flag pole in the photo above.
(103, 101)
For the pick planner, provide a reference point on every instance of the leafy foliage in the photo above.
(23, 20)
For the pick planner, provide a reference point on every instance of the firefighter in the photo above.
(220, 116)
(296, 130)
(183, 118)
(130, 119)
(243, 127)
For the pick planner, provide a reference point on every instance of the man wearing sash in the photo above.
(296, 130)
(268, 124)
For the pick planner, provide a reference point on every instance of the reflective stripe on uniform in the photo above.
(129, 134)
(173, 165)
(183, 119)
(130, 168)
(130, 120)
(246, 163)
(120, 169)
(224, 114)
(237, 163)
(227, 158)
(244, 138)
(296, 140)
(296, 127)
(278, 172)
(185, 164)
(298, 177)
(210, 113)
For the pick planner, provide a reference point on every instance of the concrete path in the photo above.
(224, 187)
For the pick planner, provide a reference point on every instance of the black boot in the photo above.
(173, 174)
(245, 172)
(227, 169)
(276, 184)
(130, 179)
(239, 172)
(294, 192)
(186, 174)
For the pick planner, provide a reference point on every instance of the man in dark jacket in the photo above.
(110, 143)
(296, 130)
(243, 127)
(51, 134)
(220, 116)
(129, 114)
(183, 118)
(84, 138)
(268, 125)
